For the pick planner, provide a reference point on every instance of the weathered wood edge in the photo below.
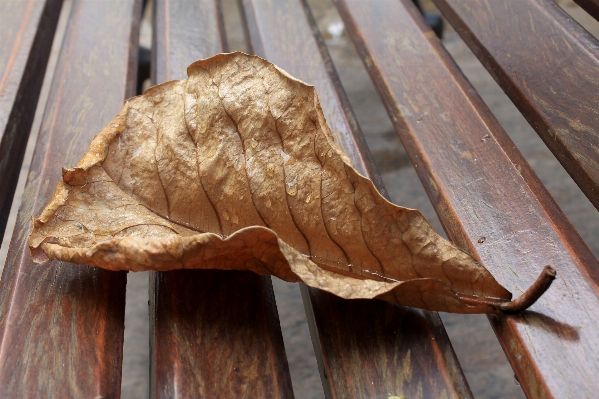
(20, 90)
(563, 116)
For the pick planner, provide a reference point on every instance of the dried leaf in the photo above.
(235, 168)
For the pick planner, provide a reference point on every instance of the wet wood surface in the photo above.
(590, 6)
(27, 32)
(549, 67)
(487, 196)
(61, 325)
(364, 349)
(213, 333)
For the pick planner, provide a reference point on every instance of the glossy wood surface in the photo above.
(214, 334)
(27, 32)
(61, 325)
(184, 32)
(487, 196)
(590, 6)
(365, 349)
(549, 67)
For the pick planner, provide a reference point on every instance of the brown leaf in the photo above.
(235, 168)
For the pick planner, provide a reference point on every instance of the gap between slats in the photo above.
(135, 380)
(35, 127)
(580, 15)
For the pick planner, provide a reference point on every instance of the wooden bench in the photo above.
(216, 334)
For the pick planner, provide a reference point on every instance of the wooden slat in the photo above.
(298, 42)
(549, 66)
(27, 32)
(487, 196)
(184, 32)
(590, 6)
(365, 349)
(61, 325)
(214, 334)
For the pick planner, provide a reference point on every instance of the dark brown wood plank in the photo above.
(365, 349)
(487, 196)
(590, 6)
(185, 32)
(214, 333)
(27, 32)
(61, 325)
(549, 66)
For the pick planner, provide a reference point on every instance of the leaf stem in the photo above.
(521, 303)
(533, 292)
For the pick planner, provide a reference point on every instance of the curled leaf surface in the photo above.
(235, 168)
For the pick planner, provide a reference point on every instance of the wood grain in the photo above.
(61, 325)
(549, 67)
(213, 333)
(216, 334)
(364, 348)
(482, 187)
(185, 32)
(27, 32)
(590, 6)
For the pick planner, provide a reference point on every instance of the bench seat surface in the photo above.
(487, 196)
(215, 333)
(27, 32)
(61, 325)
